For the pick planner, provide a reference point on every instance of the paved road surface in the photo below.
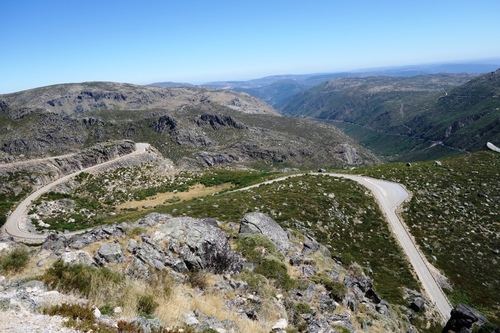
(389, 196)
(15, 225)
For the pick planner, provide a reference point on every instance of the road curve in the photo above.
(15, 225)
(390, 196)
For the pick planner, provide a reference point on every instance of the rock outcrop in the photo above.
(463, 317)
(200, 244)
(322, 296)
(260, 223)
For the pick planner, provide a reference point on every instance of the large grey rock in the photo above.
(207, 322)
(343, 320)
(326, 304)
(153, 219)
(54, 242)
(310, 246)
(77, 258)
(418, 304)
(149, 253)
(280, 325)
(318, 325)
(99, 233)
(109, 252)
(200, 244)
(260, 223)
(358, 281)
(147, 325)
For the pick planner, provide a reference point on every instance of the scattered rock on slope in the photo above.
(260, 223)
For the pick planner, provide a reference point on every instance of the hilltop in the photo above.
(192, 126)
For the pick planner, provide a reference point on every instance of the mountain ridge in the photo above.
(428, 112)
(193, 126)
(73, 98)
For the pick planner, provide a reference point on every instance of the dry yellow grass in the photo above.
(195, 191)
(183, 299)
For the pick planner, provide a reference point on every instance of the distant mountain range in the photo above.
(408, 118)
(397, 115)
(277, 88)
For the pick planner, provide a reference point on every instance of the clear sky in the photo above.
(53, 41)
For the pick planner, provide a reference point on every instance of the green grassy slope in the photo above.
(403, 118)
(454, 217)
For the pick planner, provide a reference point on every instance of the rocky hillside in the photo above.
(181, 274)
(77, 98)
(198, 274)
(414, 118)
(194, 127)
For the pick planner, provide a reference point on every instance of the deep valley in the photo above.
(164, 239)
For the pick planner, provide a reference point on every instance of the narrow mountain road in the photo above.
(15, 225)
(389, 197)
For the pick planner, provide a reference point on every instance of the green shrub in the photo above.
(302, 308)
(252, 246)
(106, 310)
(197, 279)
(341, 329)
(69, 277)
(135, 231)
(146, 305)
(486, 328)
(256, 282)
(80, 317)
(15, 260)
(77, 277)
(336, 289)
(72, 311)
(272, 268)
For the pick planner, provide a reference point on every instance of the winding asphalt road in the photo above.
(15, 225)
(390, 196)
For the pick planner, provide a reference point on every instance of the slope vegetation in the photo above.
(454, 217)
(403, 118)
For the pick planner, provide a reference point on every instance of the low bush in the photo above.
(256, 282)
(197, 279)
(273, 268)
(80, 317)
(78, 278)
(252, 247)
(15, 260)
(146, 305)
(72, 311)
(336, 289)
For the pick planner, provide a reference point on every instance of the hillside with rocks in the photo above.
(408, 118)
(181, 274)
(186, 268)
(194, 127)
(77, 98)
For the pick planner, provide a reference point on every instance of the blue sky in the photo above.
(50, 42)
